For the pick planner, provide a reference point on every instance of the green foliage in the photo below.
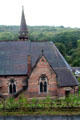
(79, 79)
(8, 36)
(10, 103)
(61, 48)
(75, 58)
(22, 101)
(78, 43)
(33, 103)
(22, 104)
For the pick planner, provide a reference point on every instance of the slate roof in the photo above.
(13, 59)
(52, 54)
(65, 77)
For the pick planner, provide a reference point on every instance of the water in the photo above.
(41, 118)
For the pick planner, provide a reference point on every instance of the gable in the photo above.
(52, 54)
(42, 62)
(42, 67)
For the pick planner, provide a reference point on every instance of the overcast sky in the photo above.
(41, 12)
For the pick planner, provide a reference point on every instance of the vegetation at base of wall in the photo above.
(23, 104)
(66, 39)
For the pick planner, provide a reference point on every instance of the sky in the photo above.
(41, 12)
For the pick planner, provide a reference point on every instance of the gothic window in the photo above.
(12, 87)
(41, 87)
(43, 84)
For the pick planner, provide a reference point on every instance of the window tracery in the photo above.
(43, 83)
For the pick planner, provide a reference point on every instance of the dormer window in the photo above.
(12, 87)
(43, 83)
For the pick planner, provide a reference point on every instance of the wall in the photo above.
(4, 83)
(42, 67)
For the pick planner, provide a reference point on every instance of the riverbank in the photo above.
(55, 111)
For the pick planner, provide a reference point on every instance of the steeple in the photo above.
(23, 34)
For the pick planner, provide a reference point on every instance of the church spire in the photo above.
(23, 27)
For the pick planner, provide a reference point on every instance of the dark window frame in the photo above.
(12, 87)
(43, 84)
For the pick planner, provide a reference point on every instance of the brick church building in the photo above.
(36, 69)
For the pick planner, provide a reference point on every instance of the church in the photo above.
(35, 69)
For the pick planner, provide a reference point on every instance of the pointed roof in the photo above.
(23, 27)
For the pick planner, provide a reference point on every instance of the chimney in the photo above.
(29, 66)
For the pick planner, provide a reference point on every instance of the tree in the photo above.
(61, 48)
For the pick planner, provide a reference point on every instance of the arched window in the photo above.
(12, 87)
(41, 87)
(45, 86)
(43, 83)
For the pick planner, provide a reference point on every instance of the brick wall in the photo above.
(42, 67)
(5, 83)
